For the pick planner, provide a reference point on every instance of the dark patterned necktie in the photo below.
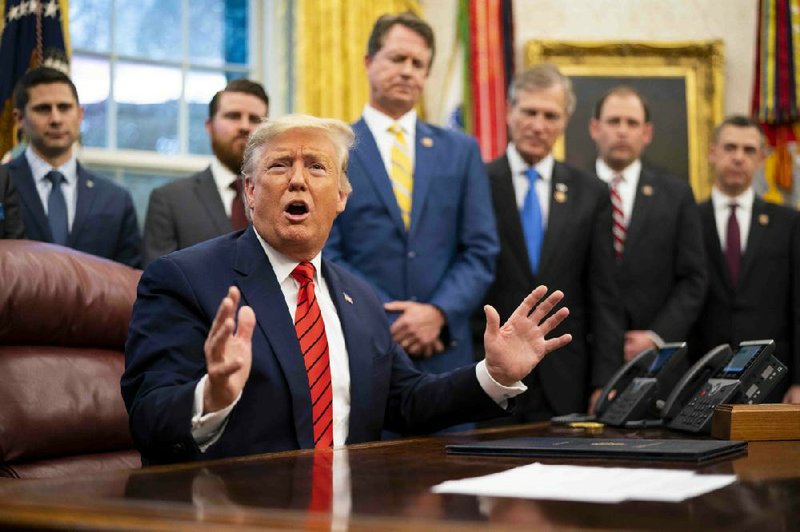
(618, 228)
(314, 345)
(733, 245)
(57, 209)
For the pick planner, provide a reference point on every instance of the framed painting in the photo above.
(682, 82)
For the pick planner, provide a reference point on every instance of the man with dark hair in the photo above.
(554, 223)
(61, 201)
(752, 251)
(657, 238)
(209, 203)
(419, 228)
(298, 354)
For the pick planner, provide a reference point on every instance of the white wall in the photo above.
(733, 21)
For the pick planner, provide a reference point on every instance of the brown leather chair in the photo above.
(63, 321)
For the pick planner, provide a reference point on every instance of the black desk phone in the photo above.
(653, 374)
(746, 376)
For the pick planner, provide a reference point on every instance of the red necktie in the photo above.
(733, 245)
(238, 217)
(314, 345)
(618, 215)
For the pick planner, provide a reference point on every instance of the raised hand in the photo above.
(229, 354)
(513, 350)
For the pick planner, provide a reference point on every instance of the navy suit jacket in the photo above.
(10, 217)
(578, 258)
(766, 301)
(662, 275)
(182, 213)
(178, 297)
(448, 255)
(105, 219)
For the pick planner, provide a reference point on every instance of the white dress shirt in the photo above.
(207, 428)
(626, 187)
(379, 124)
(40, 168)
(722, 212)
(521, 182)
(223, 178)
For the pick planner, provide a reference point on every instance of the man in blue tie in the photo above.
(554, 223)
(61, 201)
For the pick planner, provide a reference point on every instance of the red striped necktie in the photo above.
(314, 345)
(618, 215)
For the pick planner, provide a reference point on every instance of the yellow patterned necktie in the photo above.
(401, 173)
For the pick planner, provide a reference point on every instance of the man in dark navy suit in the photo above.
(554, 222)
(752, 251)
(61, 201)
(207, 380)
(657, 237)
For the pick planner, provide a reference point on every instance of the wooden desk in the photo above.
(391, 484)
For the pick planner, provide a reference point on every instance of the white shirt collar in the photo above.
(223, 177)
(519, 166)
(630, 174)
(722, 200)
(378, 121)
(283, 265)
(40, 167)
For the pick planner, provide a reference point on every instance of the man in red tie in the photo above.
(208, 203)
(752, 257)
(299, 353)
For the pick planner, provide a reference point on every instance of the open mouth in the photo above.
(296, 210)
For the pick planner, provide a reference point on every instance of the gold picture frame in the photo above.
(682, 81)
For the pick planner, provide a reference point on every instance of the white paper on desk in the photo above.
(589, 484)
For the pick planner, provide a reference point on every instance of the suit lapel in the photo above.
(357, 342)
(260, 290)
(642, 204)
(206, 190)
(425, 155)
(29, 196)
(369, 157)
(759, 222)
(86, 195)
(558, 217)
(508, 212)
(715, 248)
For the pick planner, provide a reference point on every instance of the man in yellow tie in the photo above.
(419, 226)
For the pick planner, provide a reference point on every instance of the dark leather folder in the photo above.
(694, 451)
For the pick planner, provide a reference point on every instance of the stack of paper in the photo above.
(589, 484)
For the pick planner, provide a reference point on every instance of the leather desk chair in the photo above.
(63, 322)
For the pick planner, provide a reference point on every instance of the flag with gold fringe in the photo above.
(32, 35)
(484, 53)
(776, 93)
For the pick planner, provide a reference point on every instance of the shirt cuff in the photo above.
(499, 393)
(207, 428)
(656, 339)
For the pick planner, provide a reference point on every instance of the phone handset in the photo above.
(636, 367)
(697, 375)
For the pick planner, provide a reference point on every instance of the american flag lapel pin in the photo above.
(347, 297)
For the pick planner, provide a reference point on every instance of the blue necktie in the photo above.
(532, 221)
(57, 209)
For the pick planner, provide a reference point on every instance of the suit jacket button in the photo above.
(412, 254)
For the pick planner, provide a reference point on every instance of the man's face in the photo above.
(238, 114)
(294, 194)
(621, 133)
(735, 158)
(397, 71)
(536, 121)
(51, 120)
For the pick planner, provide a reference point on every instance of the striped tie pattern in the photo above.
(401, 173)
(314, 345)
(618, 215)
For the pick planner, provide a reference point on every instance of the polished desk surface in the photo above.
(390, 490)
